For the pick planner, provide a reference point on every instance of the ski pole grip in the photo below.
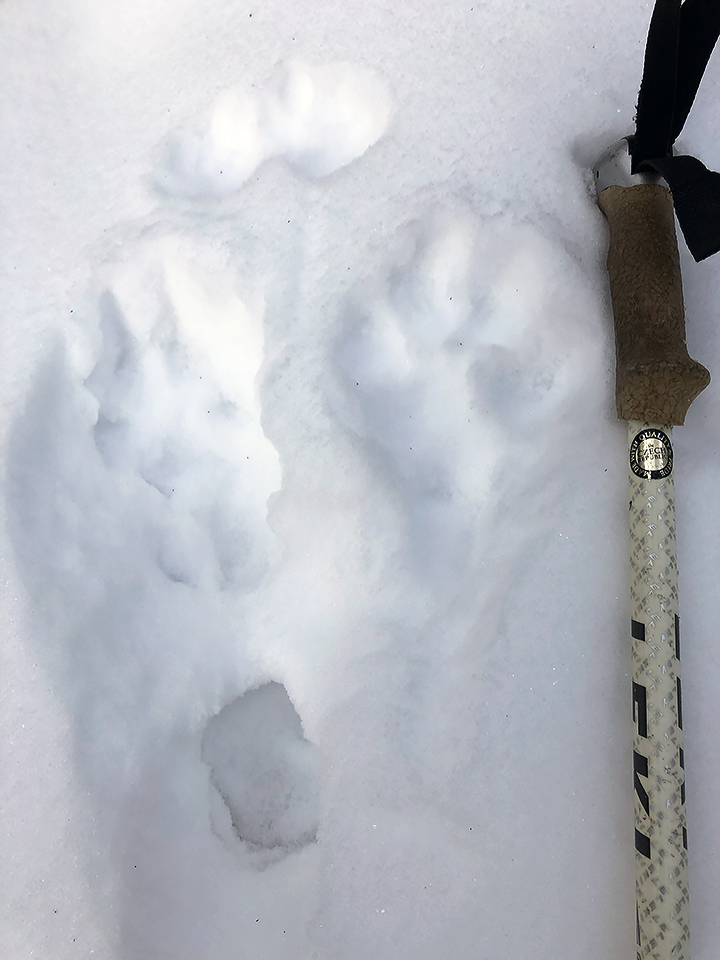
(656, 379)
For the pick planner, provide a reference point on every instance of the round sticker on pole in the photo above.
(651, 455)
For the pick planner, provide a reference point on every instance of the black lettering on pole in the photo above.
(637, 630)
(640, 769)
(642, 844)
(685, 837)
(677, 636)
(679, 703)
(682, 764)
(637, 924)
(640, 699)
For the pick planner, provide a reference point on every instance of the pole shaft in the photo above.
(663, 931)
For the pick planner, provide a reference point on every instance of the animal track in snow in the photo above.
(442, 352)
(264, 769)
(318, 118)
(451, 372)
(174, 379)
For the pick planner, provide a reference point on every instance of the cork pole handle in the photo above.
(656, 380)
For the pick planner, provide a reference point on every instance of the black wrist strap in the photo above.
(680, 40)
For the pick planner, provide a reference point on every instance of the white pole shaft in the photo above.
(663, 931)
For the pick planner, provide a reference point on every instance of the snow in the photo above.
(317, 118)
(264, 770)
(314, 518)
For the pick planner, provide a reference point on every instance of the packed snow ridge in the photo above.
(318, 118)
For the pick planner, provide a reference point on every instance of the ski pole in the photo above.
(641, 185)
(656, 381)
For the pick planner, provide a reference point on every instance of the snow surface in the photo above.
(314, 526)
